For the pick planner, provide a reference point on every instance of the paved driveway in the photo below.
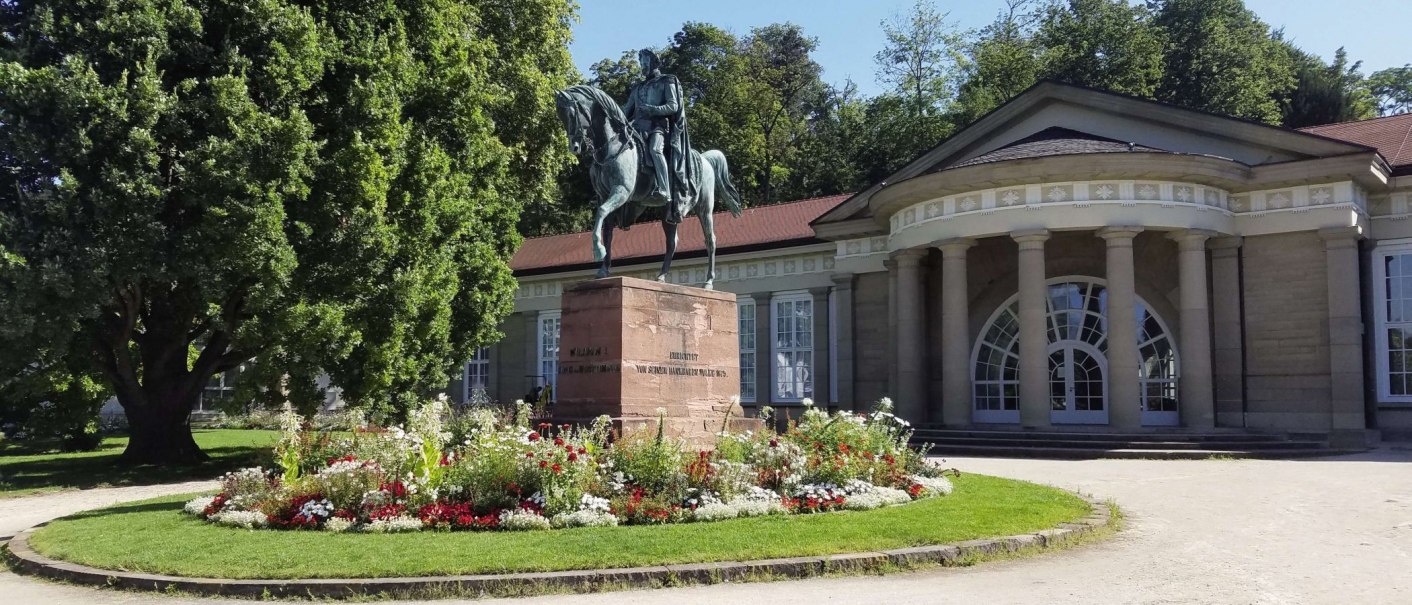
(1336, 530)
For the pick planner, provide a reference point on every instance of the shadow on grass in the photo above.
(23, 472)
(126, 509)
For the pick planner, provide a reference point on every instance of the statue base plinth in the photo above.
(631, 347)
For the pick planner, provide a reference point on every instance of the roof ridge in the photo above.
(719, 210)
(1404, 114)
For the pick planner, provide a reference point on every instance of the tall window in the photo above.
(746, 310)
(549, 349)
(218, 388)
(794, 347)
(477, 373)
(1394, 315)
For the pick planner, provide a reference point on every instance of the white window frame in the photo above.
(478, 366)
(745, 322)
(548, 350)
(776, 351)
(1380, 303)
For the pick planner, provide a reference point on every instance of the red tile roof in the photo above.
(1391, 135)
(756, 227)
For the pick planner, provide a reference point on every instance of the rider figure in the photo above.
(656, 110)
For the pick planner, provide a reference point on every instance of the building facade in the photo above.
(1074, 259)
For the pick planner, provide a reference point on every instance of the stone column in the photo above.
(1034, 338)
(1228, 352)
(1346, 412)
(531, 352)
(892, 384)
(764, 350)
(1194, 385)
(492, 377)
(822, 373)
(1124, 388)
(843, 303)
(955, 334)
(909, 337)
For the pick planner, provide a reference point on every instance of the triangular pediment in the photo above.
(1061, 119)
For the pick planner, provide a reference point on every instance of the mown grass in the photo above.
(26, 469)
(155, 536)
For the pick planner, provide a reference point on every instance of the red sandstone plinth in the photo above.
(628, 347)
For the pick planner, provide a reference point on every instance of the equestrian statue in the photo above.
(642, 158)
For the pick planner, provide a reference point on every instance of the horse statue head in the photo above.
(576, 118)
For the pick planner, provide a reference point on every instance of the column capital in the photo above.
(1030, 238)
(843, 281)
(1225, 245)
(955, 247)
(910, 257)
(820, 291)
(1191, 239)
(761, 298)
(1119, 234)
(1341, 237)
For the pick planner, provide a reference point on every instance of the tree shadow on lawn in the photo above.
(103, 469)
(126, 509)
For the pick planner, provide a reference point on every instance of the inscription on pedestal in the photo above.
(629, 347)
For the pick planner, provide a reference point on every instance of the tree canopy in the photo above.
(322, 186)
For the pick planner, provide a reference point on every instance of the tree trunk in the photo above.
(161, 433)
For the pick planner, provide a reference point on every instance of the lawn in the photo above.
(155, 536)
(24, 470)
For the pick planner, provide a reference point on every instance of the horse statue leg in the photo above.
(608, 252)
(670, 231)
(616, 199)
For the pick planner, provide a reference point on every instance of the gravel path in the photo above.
(1335, 530)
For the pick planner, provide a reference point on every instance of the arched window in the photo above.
(1077, 328)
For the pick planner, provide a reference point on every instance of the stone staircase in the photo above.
(1169, 445)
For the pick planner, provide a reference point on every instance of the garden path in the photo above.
(1332, 530)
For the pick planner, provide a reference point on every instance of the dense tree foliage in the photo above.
(326, 186)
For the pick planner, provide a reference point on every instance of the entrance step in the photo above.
(1152, 445)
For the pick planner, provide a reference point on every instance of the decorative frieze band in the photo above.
(1127, 193)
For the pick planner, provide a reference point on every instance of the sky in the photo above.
(849, 31)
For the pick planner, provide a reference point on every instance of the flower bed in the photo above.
(484, 471)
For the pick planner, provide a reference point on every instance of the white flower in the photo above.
(339, 524)
(591, 503)
(197, 506)
(393, 525)
(522, 519)
(320, 509)
(933, 486)
(583, 518)
(758, 508)
(878, 497)
(715, 511)
(248, 519)
(808, 402)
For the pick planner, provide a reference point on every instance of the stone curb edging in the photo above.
(26, 560)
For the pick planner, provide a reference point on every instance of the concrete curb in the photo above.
(25, 560)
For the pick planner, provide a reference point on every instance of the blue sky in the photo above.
(849, 33)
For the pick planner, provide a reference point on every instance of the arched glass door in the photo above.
(1077, 326)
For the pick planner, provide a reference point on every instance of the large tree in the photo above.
(1105, 44)
(1392, 89)
(1220, 57)
(1002, 61)
(1325, 93)
(920, 64)
(328, 186)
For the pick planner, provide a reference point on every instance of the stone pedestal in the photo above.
(628, 347)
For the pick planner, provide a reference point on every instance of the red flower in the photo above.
(573, 457)
(557, 469)
(774, 442)
(582, 451)
(558, 441)
(529, 454)
(533, 436)
(544, 463)
(544, 426)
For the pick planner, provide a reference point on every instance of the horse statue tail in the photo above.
(725, 189)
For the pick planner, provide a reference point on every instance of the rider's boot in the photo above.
(659, 179)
